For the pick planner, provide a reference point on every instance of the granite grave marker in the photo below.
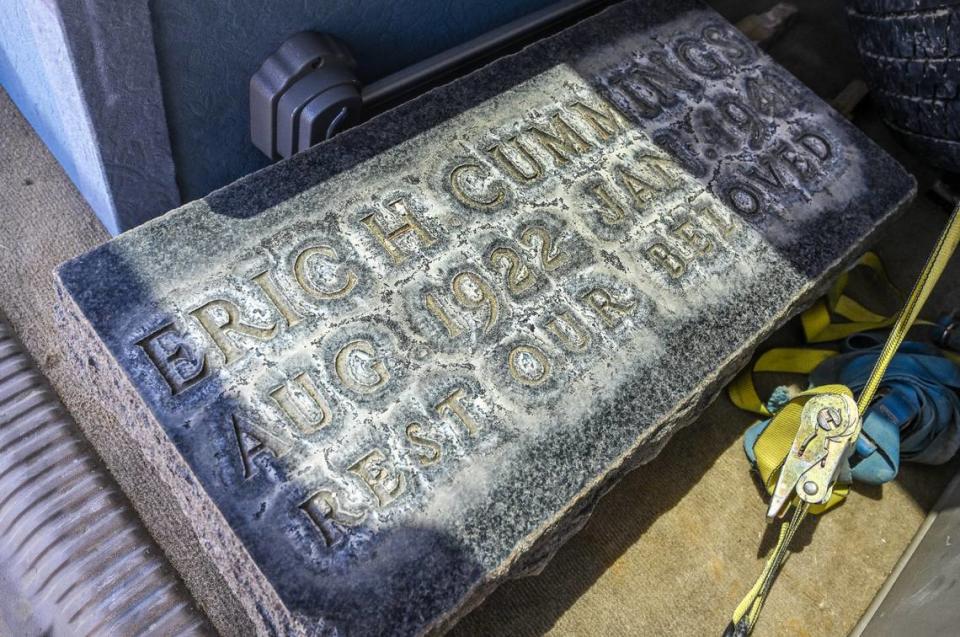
(381, 377)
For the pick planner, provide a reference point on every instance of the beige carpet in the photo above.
(669, 551)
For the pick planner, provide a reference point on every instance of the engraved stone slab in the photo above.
(381, 377)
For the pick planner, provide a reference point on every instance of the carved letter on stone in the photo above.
(388, 239)
(359, 369)
(218, 330)
(452, 405)
(604, 119)
(460, 185)
(167, 349)
(279, 300)
(661, 255)
(432, 448)
(562, 141)
(609, 310)
(571, 333)
(331, 520)
(386, 483)
(531, 171)
(307, 282)
(529, 365)
(310, 411)
(611, 212)
(252, 439)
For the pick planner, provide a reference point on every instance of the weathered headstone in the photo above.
(380, 377)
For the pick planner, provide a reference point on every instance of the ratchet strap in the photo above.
(778, 440)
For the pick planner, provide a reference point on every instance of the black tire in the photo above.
(927, 79)
(932, 33)
(934, 118)
(886, 7)
(910, 51)
(937, 151)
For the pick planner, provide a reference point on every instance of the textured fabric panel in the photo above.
(207, 52)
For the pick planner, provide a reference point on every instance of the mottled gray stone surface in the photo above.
(382, 376)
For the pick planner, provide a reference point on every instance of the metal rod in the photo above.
(409, 78)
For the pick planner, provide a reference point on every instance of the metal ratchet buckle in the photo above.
(829, 426)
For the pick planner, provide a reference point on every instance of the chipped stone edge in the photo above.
(227, 583)
(545, 541)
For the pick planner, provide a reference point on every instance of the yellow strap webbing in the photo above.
(818, 325)
(749, 609)
(775, 442)
(773, 446)
(908, 315)
(795, 360)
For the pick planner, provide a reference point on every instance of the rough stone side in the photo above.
(216, 568)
